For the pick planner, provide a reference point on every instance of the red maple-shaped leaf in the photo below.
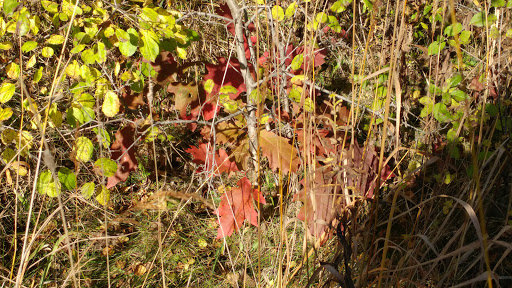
(236, 205)
(280, 153)
(124, 153)
(204, 157)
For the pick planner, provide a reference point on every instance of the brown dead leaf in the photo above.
(280, 153)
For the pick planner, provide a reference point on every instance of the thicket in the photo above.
(367, 142)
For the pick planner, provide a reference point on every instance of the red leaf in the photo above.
(236, 205)
(224, 74)
(123, 151)
(222, 163)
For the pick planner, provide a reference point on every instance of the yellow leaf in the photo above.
(13, 70)
(111, 104)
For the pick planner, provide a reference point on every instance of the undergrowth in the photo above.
(366, 143)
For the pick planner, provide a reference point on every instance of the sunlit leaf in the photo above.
(103, 137)
(290, 11)
(150, 48)
(321, 17)
(102, 195)
(128, 42)
(101, 52)
(208, 86)
(73, 70)
(434, 48)
(6, 92)
(9, 6)
(441, 113)
(182, 53)
(7, 45)
(50, 6)
(46, 185)
(297, 61)
(5, 113)
(87, 190)
(111, 104)
(38, 75)
(55, 116)
(55, 39)
(67, 178)
(88, 56)
(47, 52)
(31, 62)
(13, 70)
(278, 13)
(83, 149)
(105, 167)
(28, 46)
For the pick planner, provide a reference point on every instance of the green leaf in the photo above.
(68, 6)
(105, 167)
(38, 75)
(453, 81)
(321, 17)
(459, 95)
(55, 39)
(334, 24)
(9, 6)
(478, 19)
(101, 52)
(297, 61)
(441, 113)
(491, 109)
(228, 89)
(28, 46)
(8, 154)
(182, 53)
(434, 48)
(102, 195)
(77, 49)
(5, 113)
(83, 149)
(464, 37)
(128, 42)
(103, 137)
(277, 13)
(87, 190)
(6, 91)
(453, 30)
(47, 52)
(111, 104)
(67, 178)
(290, 11)
(7, 45)
(498, 3)
(13, 70)
(50, 6)
(150, 48)
(46, 185)
(88, 56)
(208, 86)
(83, 100)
